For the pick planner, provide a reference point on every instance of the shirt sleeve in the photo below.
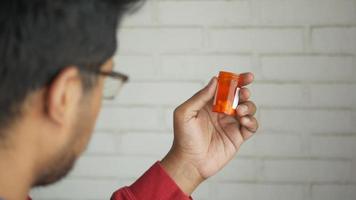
(154, 184)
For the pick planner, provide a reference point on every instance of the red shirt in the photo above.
(154, 184)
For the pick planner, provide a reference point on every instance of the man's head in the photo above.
(51, 53)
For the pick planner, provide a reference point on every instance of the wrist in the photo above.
(183, 172)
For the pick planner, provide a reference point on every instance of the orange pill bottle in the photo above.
(227, 93)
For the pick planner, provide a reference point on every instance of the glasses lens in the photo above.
(111, 88)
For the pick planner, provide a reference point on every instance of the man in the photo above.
(54, 59)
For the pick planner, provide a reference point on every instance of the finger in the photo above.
(227, 119)
(244, 94)
(246, 134)
(250, 123)
(246, 108)
(201, 98)
(245, 79)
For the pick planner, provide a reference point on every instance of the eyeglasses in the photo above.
(113, 84)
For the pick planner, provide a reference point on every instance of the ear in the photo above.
(63, 95)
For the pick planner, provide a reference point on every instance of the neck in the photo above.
(15, 174)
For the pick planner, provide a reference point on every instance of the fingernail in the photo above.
(211, 81)
(245, 120)
(243, 109)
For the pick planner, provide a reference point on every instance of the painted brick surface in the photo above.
(303, 54)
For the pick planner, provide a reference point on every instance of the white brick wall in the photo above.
(303, 53)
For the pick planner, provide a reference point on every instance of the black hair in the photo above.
(39, 38)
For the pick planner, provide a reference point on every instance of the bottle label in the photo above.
(236, 98)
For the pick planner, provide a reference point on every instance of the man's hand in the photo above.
(204, 141)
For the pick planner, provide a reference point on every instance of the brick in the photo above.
(240, 169)
(336, 95)
(306, 171)
(142, 17)
(353, 172)
(257, 40)
(202, 67)
(206, 13)
(278, 145)
(136, 66)
(168, 118)
(158, 93)
(112, 166)
(146, 144)
(103, 143)
(308, 68)
(204, 191)
(231, 191)
(78, 189)
(128, 118)
(288, 94)
(353, 118)
(334, 39)
(332, 192)
(248, 148)
(155, 40)
(305, 12)
(310, 121)
(333, 146)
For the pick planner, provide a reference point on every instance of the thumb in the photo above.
(201, 98)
